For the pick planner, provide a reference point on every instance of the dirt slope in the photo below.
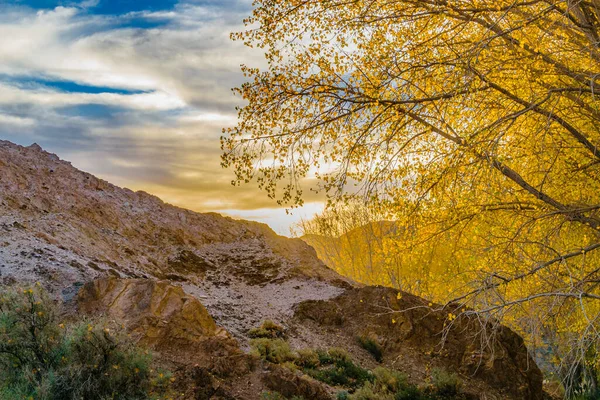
(65, 227)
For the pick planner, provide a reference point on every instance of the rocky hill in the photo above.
(192, 285)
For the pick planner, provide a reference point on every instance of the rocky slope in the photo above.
(191, 285)
(65, 227)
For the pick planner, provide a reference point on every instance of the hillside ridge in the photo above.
(64, 227)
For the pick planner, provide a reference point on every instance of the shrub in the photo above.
(45, 360)
(277, 396)
(272, 396)
(324, 357)
(388, 380)
(369, 392)
(340, 371)
(338, 354)
(446, 384)
(372, 346)
(308, 358)
(275, 351)
(411, 392)
(268, 330)
(343, 395)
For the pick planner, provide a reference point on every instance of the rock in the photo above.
(290, 383)
(162, 317)
(35, 147)
(158, 312)
(414, 335)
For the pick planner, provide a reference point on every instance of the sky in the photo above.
(135, 92)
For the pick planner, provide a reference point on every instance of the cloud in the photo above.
(138, 98)
(15, 120)
(56, 99)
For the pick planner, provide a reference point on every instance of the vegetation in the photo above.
(277, 396)
(372, 346)
(472, 124)
(339, 370)
(276, 351)
(268, 329)
(446, 384)
(43, 359)
(336, 368)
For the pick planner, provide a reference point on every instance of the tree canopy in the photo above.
(473, 119)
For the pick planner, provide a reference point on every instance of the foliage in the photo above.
(268, 329)
(590, 395)
(445, 383)
(342, 395)
(472, 123)
(277, 396)
(43, 359)
(389, 380)
(392, 385)
(308, 358)
(372, 346)
(338, 369)
(276, 351)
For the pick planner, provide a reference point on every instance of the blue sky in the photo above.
(136, 92)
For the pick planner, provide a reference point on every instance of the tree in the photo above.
(472, 118)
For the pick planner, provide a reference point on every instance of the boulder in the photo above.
(166, 319)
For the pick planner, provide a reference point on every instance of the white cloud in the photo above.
(18, 121)
(191, 57)
(54, 99)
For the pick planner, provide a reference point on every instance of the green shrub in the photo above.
(272, 396)
(277, 396)
(339, 370)
(324, 357)
(45, 360)
(589, 395)
(343, 395)
(369, 392)
(388, 380)
(411, 392)
(268, 330)
(371, 345)
(338, 354)
(275, 351)
(308, 358)
(446, 384)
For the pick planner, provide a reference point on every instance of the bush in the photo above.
(324, 357)
(371, 345)
(43, 359)
(268, 330)
(369, 392)
(340, 370)
(277, 396)
(275, 351)
(337, 354)
(343, 395)
(308, 358)
(411, 392)
(446, 384)
(388, 380)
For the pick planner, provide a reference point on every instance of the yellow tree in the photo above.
(472, 118)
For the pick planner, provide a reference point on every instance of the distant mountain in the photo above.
(361, 253)
(192, 285)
